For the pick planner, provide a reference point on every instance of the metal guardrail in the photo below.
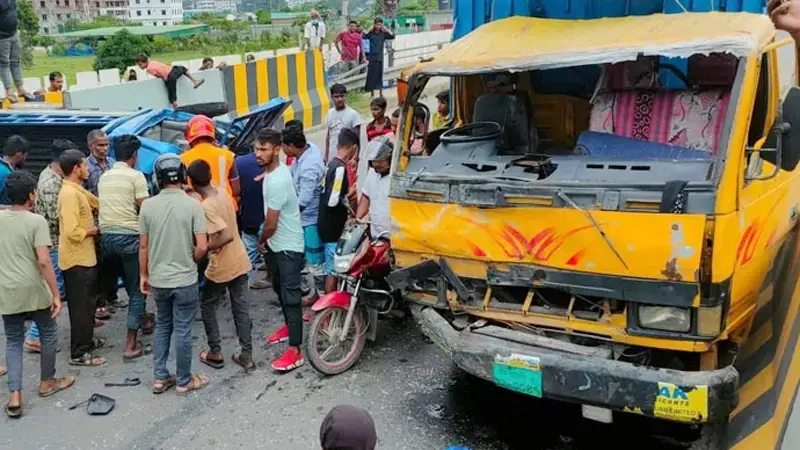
(354, 78)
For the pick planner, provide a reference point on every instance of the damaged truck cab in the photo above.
(637, 251)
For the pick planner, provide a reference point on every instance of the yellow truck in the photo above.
(591, 233)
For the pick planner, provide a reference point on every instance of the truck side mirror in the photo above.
(782, 147)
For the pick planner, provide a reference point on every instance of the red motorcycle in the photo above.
(346, 318)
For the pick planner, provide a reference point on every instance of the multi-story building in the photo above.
(156, 12)
(218, 6)
(53, 13)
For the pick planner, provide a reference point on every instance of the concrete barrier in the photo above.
(147, 94)
(299, 77)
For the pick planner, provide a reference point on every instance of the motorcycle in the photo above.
(346, 318)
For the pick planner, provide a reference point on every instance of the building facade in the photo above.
(52, 13)
(156, 12)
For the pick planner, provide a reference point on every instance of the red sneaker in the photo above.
(291, 359)
(282, 335)
(308, 315)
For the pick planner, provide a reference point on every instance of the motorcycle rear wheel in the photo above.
(318, 335)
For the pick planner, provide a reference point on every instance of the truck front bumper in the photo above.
(580, 374)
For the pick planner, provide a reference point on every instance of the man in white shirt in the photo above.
(375, 200)
(314, 32)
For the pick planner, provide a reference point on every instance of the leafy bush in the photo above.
(163, 44)
(120, 50)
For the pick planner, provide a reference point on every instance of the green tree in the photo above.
(28, 31)
(263, 17)
(120, 50)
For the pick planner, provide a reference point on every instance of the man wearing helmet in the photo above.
(172, 230)
(375, 198)
(201, 134)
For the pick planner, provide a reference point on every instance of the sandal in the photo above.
(211, 362)
(199, 83)
(98, 323)
(13, 412)
(102, 314)
(87, 360)
(3, 371)
(246, 362)
(161, 386)
(198, 382)
(59, 385)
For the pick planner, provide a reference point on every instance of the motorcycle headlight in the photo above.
(341, 263)
(665, 318)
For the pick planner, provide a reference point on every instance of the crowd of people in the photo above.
(196, 235)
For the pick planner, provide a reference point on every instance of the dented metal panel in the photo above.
(653, 246)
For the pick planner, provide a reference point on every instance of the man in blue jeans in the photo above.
(172, 232)
(28, 289)
(47, 189)
(251, 213)
(122, 190)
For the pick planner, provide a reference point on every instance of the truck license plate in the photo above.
(520, 373)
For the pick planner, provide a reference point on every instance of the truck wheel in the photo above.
(713, 436)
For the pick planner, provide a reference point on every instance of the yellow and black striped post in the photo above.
(299, 77)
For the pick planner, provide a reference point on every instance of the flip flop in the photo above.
(197, 382)
(161, 386)
(199, 83)
(13, 412)
(87, 360)
(3, 371)
(102, 314)
(59, 385)
(214, 363)
(247, 364)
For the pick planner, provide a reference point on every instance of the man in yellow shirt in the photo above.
(77, 257)
(201, 134)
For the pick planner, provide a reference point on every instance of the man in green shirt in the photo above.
(172, 232)
(28, 288)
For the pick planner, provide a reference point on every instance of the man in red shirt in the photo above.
(348, 43)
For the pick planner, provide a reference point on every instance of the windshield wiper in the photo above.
(563, 196)
(416, 176)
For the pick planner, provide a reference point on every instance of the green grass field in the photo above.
(70, 65)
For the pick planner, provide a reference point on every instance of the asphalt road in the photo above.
(417, 398)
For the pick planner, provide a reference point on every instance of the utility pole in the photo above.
(346, 10)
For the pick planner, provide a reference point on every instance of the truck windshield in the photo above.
(651, 120)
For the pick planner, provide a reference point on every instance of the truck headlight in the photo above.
(665, 318)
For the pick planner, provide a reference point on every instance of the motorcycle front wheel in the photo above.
(325, 351)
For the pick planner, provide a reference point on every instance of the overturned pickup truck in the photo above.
(637, 251)
(163, 130)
